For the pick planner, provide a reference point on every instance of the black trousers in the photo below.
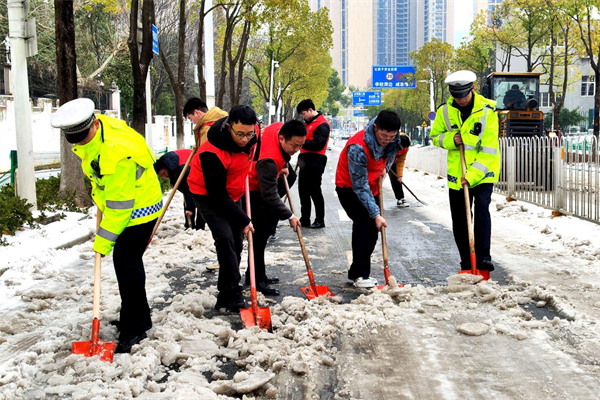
(481, 196)
(229, 243)
(195, 218)
(309, 188)
(364, 233)
(263, 227)
(131, 277)
(396, 186)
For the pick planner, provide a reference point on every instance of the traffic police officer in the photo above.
(126, 189)
(469, 119)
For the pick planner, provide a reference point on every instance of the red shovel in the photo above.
(474, 270)
(312, 291)
(255, 315)
(95, 347)
(386, 262)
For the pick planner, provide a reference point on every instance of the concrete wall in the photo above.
(46, 139)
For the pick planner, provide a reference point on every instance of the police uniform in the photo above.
(477, 124)
(127, 191)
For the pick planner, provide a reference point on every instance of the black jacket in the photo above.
(215, 174)
(171, 161)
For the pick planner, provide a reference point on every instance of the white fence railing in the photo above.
(563, 175)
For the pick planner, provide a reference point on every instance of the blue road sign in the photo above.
(393, 77)
(366, 98)
(359, 113)
(154, 39)
(431, 115)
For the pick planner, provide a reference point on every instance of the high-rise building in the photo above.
(485, 5)
(382, 32)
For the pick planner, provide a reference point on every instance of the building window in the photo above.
(545, 99)
(587, 85)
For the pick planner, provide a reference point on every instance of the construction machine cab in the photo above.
(517, 100)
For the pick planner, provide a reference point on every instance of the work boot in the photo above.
(305, 223)
(318, 225)
(485, 265)
(272, 280)
(266, 289)
(402, 203)
(128, 340)
(232, 301)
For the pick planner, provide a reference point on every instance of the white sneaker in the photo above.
(365, 283)
(402, 203)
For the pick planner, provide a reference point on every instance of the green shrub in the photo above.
(47, 199)
(165, 184)
(14, 212)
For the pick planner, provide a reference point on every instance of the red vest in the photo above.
(310, 134)
(236, 164)
(183, 154)
(269, 148)
(374, 168)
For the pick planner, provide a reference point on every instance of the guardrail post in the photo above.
(511, 173)
(557, 187)
(13, 165)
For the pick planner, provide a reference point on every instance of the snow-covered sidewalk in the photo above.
(417, 343)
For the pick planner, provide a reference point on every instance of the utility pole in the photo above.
(274, 64)
(209, 56)
(23, 44)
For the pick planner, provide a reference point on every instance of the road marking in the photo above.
(343, 216)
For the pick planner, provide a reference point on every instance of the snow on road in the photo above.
(379, 346)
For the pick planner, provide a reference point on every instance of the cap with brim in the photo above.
(75, 118)
(460, 91)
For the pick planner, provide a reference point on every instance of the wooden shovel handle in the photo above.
(97, 270)
(463, 164)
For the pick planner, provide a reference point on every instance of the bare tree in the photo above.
(71, 177)
(140, 60)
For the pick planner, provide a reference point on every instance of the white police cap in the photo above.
(460, 83)
(74, 118)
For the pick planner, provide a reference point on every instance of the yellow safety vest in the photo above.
(124, 184)
(482, 151)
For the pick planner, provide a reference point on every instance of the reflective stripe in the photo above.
(447, 118)
(144, 212)
(441, 140)
(489, 150)
(139, 173)
(470, 147)
(483, 121)
(480, 167)
(108, 235)
(452, 179)
(119, 205)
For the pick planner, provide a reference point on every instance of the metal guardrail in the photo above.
(563, 175)
(559, 174)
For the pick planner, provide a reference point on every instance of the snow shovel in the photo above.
(474, 270)
(255, 315)
(95, 347)
(386, 263)
(312, 291)
(164, 210)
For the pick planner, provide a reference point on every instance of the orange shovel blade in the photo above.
(106, 350)
(381, 287)
(262, 317)
(321, 292)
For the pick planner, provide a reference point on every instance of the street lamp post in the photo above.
(274, 64)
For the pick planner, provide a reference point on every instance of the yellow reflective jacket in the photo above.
(124, 184)
(482, 151)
